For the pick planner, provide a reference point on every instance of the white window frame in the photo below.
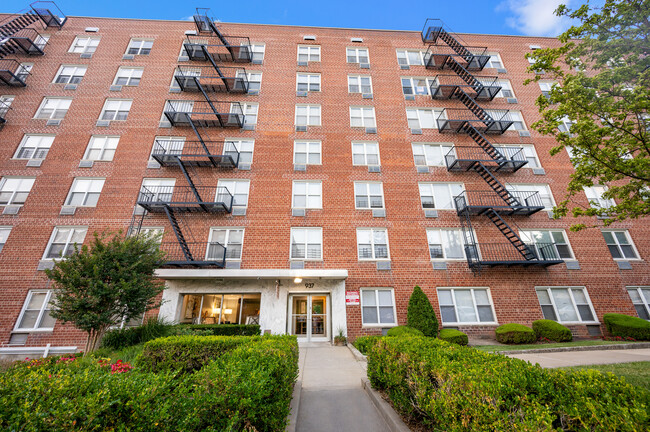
(444, 149)
(309, 115)
(312, 51)
(5, 104)
(57, 102)
(120, 105)
(130, 73)
(226, 242)
(364, 118)
(406, 56)
(474, 303)
(244, 146)
(252, 77)
(307, 230)
(534, 187)
(82, 45)
(359, 84)
(75, 71)
(138, 44)
(596, 200)
(44, 307)
(67, 243)
(518, 123)
(85, 184)
(3, 182)
(246, 107)
(618, 244)
(159, 182)
(366, 145)
(255, 51)
(528, 238)
(529, 152)
(41, 147)
(431, 185)
(366, 186)
(415, 89)
(506, 85)
(372, 244)
(107, 144)
(307, 194)
(356, 54)
(490, 62)
(225, 182)
(5, 232)
(308, 153)
(378, 323)
(435, 112)
(310, 79)
(573, 302)
(645, 299)
(444, 257)
(545, 87)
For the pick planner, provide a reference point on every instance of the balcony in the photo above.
(449, 87)
(454, 120)
(12, 73)
(207, 48)
(205, 113)
(26, 41)
(222, 154)
(523, 203)
(464, 158)
(194, 254)
(209, 199)
(49, 13)
(441, 57)
(505, 254)
(209, 79)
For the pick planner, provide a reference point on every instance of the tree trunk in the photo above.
(94, 336)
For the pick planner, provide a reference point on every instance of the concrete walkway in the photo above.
(331, 398)
(580, 358)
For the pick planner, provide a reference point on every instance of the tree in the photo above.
(112, 280)
(602, 71)
(420, 314)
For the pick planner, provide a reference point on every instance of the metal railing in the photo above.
(201, 254)
(454, 119)
(12, 73)
(521, 202)
(206, 113)
(4, 109)
(438, 57)
(493, 254)
(462, 158)
(447, 86)
(28, 40)
(238, 50)
(186, 198)
(49, 13)
(232, 79)
(199, 153)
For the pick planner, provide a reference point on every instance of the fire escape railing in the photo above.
(209, 79)
(4, 109)
(202, 254)
(212, 48)
(26, 41)
(464, 158)
(210, 113)
(452, 86)
(208, 199)
(12, 73)
(218, 154)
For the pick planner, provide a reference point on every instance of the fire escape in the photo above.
(189, 156)
(446, 52)
(20, 37)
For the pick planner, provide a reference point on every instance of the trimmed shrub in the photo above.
(364, 343)
(441, 386)
(552, 330)
(420, 314)
(515, 334)
(627, 326)
(404, 331)
(453, 336)
(224, 329)
(122, 338)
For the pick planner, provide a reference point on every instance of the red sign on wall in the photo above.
(352, 298)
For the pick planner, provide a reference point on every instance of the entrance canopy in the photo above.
(251, 274)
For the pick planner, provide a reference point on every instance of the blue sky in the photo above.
(517, 17)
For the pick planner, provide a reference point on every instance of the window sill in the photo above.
(459, 324)
(579, 322)
(378, 325)
(45, 330)
(306, 260)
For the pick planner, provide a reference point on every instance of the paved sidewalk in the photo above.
(332, 398)
(580, 358)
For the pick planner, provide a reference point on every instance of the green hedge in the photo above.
(420, 313)
(364, 343)
(453, 336)
(627, 326)
(552, 330)
(515, 334)
(122, 338)
(446, 387)
(225, 329)
(403, 331)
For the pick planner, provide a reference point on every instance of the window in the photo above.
(527, 151)
(245, 148)
(63, 241)
(53, 108)
(115, 109)
(239, 191)
(357, 55)
(250, 112)
(445, 244)
(128, 76)
(139, 47)
(308, 53)
(641, 299)
(411, 58)
(565, 125)
(70, 74)
(231, 238)
(545, 88)
(362, 117)
(34, 147)
(170, 145)
(514, 116)
(101, 148)
(365, 153)
(359, 84)
(543, 190)
(548, 244)
(465, 306)
(307, 115)
(378, 306)
(307, 152)
(35, 314)
(417, 86)
(254, 80)
(506, 88)
(5, 103)
(221, 308)
(439, 195)
(307, 243)
(372, 244)
(14, 190)
(307, 194)
(308, 82)
(84, 192)
(4, 234)
(84, 45)
(595, 197)
(257, 52)
(153, 232)
(494, 62)
(430, 154)
(422, 118)
(368, 195)
(565, 304)
(620, 245)
(157, 189)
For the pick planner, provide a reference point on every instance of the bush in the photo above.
(515, 334)
(403, 331)
(441, 386)
(420, 314)
(224, 329)
(552, 330)
(121, 338)
(627, 326)
(453, 336)
(364, 343)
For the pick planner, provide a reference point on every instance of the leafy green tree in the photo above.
(110, 280)
(420, 314)
(602, 72)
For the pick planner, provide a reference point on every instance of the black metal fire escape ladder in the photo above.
(173, 221)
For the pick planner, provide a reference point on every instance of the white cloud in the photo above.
(535, 17)
(187, 18)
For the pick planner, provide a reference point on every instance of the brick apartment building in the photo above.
(305, 178)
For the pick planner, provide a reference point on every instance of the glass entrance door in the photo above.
(309, 317)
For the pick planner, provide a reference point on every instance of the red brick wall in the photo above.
(268, 219)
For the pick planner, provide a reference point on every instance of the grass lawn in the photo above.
(636, 373)
(547, 345)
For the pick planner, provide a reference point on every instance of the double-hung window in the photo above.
(231, 238)
(445, 244)
(249, 111)
(85, 192)
(307, 152)
(417, 86)
(422, 118)
(620, 245)
(494, 62)
(34, 147)
(308, 53)
(308, 115)
(513, 116)
(307, 243)
(357, 55)
(116, 109)
(378, 307)
(238, 189)
(365, 153)
(69, 74)
(53, 108)
(244, 147)
(506, 88)
(640, 296)
(5, 104)
(128, 76)
(84, 45)
(359, 84)
(566, 304)
(307, 194)
(14, 190)
(372, 244)
(545, 87)
(139, 47)
(101, 148)
(254, 80)
(257, 52)
(549, 244)
(518, 152)
(543, 193)
(4, 235)
(411, 57)
(157, 190)
(430, 154)
(36, 312)
(368, 195)
(362, 117)
(595, 197)
(465, 306)
(63, 241)
(308, 82)
(565, 125)
(439, 196)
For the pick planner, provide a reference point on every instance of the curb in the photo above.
(357, 354)
(638, 345)
(392, 419)
(295, 406)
